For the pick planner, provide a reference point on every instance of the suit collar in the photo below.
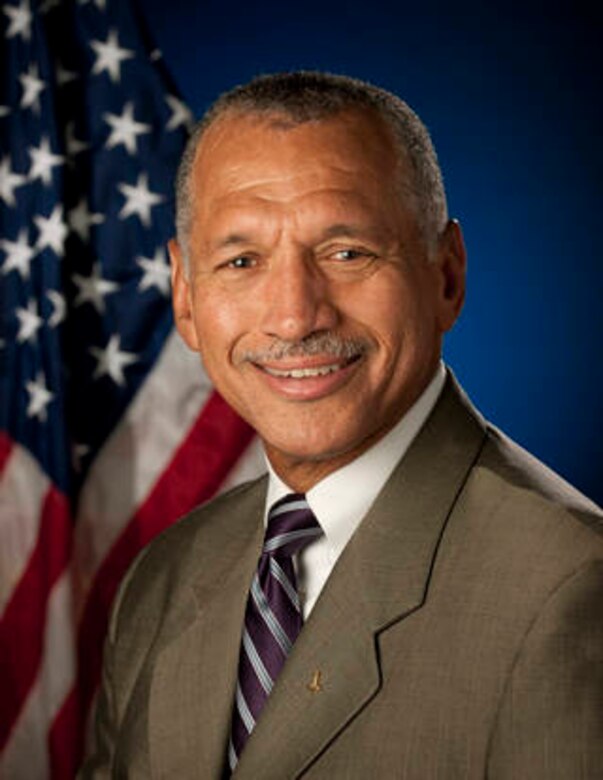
(396, 544)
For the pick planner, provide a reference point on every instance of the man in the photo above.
(451, 586)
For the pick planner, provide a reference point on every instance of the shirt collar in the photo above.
(343, 498)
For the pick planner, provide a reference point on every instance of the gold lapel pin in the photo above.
(315, 684)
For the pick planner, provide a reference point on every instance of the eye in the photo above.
(356, 257)
(351, 254)
(239, 262)
(348, 262)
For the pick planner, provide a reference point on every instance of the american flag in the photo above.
(109, 429)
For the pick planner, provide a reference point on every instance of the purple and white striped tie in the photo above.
(273, 617)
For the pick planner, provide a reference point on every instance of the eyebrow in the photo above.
(232, 239)
(367, 232)
(332, 231)
(343, 229)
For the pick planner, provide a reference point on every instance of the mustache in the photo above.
(314, 344)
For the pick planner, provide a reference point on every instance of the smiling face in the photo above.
(309, 294)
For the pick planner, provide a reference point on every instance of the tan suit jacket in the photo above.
(459, 636)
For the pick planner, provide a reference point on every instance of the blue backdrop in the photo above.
(512, 98)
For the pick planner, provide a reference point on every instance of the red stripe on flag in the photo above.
(200, 465)
(64, 753)
(23, 624)
(6, 446)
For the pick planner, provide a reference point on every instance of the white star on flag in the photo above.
(181, 114)
(111, 361)
(32, 86)
(125, 129)
(29, 322)
(18, 254)
(59, 308)
(80, 220)
(139, 200)
(39, 398)
(156, 272)
(53, 231)
(72, 144)
(9, 182)
(43, 161)
(4, 111)
(109, 56)
(20, 20)
(64, 76)
(93, 288)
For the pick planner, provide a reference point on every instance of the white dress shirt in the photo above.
(343, 498)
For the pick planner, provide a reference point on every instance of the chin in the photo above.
(313, 449)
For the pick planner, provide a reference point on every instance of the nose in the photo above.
(297, 298)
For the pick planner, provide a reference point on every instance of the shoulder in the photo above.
(217, 520)
(173, 561)
(507, 493)
(520, 519)
(511, 474)
(514, 523)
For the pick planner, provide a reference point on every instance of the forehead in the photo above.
(243, 153)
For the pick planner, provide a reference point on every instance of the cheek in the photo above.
(402, 323)
(218, 321)
(384, 309)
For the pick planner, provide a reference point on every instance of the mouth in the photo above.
(308, 379)
(308, 372)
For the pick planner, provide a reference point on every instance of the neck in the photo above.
(301, 474)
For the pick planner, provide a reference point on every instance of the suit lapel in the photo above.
(381, 577)
(194, 678)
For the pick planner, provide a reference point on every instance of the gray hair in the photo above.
(305, 96)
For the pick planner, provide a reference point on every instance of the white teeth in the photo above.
(302, 373)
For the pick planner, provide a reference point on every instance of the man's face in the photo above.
(309, 295)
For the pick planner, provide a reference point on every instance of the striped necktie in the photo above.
(273, 617)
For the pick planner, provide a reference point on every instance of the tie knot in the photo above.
(291, 526)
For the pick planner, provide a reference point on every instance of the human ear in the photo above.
(181, 297)
(452, 265)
